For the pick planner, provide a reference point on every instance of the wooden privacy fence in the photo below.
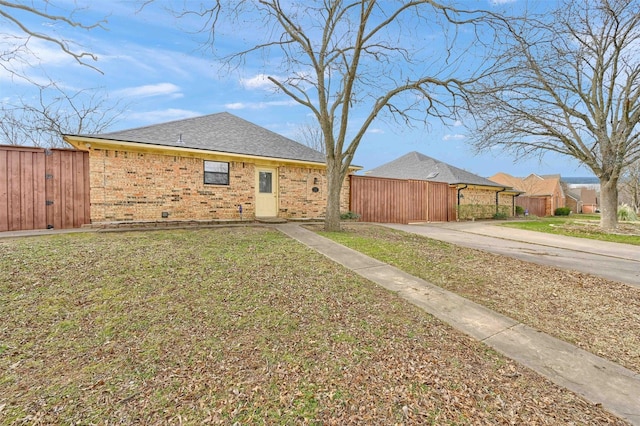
(385, 200)
(43, 188)
(535, 206)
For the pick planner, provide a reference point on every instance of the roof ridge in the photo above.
(168, 122)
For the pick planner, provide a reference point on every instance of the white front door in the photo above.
(266, 192)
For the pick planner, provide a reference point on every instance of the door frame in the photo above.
(265, 206)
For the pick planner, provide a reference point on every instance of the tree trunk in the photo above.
(334, 188)
(608, 203)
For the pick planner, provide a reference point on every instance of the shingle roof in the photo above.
(415, 165)
(507, 179)
(540, 186)
(222, 132)
(532, 185)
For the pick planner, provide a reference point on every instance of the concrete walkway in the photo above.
(596, 379)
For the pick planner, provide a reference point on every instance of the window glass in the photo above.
(265, 182)
(216, 173)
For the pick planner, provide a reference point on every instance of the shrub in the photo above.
(500, 216)
(519, 210)
(349, 216)
(562, 211)
(626, 213)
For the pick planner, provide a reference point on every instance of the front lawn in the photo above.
(596, 314)
(238, 326)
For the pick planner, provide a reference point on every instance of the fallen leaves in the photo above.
(238, 325)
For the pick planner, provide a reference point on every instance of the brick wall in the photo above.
(303, 193)
(481, 204)
(141, 186)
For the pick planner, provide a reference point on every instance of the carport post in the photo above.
(498, 198)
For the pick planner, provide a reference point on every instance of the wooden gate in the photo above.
(535, 206)
(384, 200)
(43, 188)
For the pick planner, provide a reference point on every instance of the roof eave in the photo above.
(86, 142)
(502, 188)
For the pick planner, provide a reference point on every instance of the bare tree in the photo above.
(630, 186)
(18, 35)
(349, 62)
(311, 135)
(41, 119)
(41, 122)
(570, 84)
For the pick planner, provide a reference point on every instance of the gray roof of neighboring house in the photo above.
(222, 132)
(420, 167)
(573, 193)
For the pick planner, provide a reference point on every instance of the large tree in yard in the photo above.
(569, 84)
(351, 62)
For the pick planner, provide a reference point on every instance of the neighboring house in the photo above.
(541, 195)
(589, 200)
(572, 200)
(585, 190)
(475, 197)
(217, 166)
(582, 200)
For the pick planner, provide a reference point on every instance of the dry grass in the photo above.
(594, 313)
(238, 325)
(581, 226)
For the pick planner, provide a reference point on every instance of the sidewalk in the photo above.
(597, 380)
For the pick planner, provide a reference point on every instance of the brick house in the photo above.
(217, 166)
(589, 200)
(475, 196)
(542, 195)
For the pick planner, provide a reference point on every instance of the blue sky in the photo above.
(153, 65)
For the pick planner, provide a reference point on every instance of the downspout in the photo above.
(497, 198)
(458, 208)
(460, 189)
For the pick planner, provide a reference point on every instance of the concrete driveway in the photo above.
(614, 261)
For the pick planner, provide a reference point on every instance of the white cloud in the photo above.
(236, 105)
(260, 81)
(149, 90)
(375, 131)
(35, 59)
(450, 137)
(499, 2)
(259, 105)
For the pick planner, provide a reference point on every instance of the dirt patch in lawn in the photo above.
(238, 325)
(593, 227)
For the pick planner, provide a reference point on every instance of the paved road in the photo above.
(614, 261)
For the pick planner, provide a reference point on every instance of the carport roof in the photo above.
(417, 166)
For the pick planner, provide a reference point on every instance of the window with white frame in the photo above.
(216, 173)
